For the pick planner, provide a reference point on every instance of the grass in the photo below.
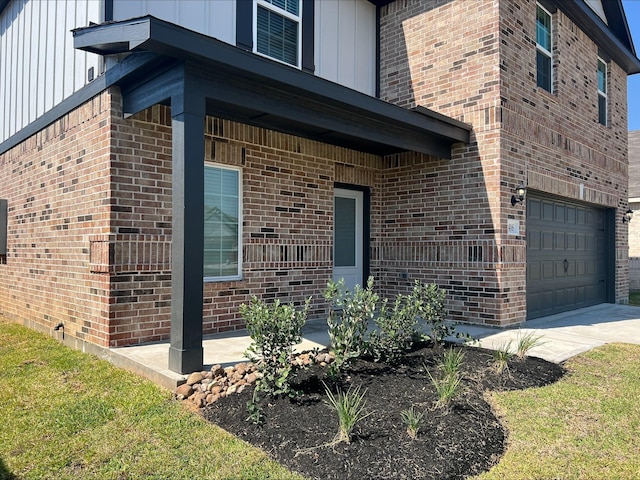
(67, 415)
(583, 427)
(634, 298)
(349, 406)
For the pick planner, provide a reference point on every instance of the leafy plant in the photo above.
(396, 329)
(501, 357)
(430, 303)
(274, 329)
(526, 342)
(350, 408)
(256, 415)
(413, 420)
(451, 362)
(348, 320)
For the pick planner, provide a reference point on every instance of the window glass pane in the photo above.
(602, 76)
(544, 70)
(602, 109)
(345, 232)
(291, 6)
(277, 36)
(543, 29)
(221, 222)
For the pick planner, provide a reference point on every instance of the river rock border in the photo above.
(206, 387)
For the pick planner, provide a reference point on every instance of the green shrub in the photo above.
(431, 304)
(350, 408)
(396, 329)
(348, 320)
(274, 329)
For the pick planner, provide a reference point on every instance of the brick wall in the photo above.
(56, 184)
(476, 61)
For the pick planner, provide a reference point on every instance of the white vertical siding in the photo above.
(38, 64)
(215, 18)
(345, 43)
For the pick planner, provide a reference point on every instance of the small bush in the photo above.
(348, 320)
(396, 329)
(413, 421)
(274, 329)
(430, 301)
(350, 408)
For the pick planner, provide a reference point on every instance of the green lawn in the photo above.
(586, 426)
(634, 298)
(64, 414)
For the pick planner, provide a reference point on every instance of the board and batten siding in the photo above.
(345, 43)
(345, 32)
(39, 67)
(212, 18)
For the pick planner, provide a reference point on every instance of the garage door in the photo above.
(566, 256)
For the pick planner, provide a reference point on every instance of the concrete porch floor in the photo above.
(563, 335)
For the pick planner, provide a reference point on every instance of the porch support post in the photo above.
(188, 117)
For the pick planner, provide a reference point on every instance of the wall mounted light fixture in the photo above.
(628, 215)
(521, 191)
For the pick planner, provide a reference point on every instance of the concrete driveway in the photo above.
(567, 334)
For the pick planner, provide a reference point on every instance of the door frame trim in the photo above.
(366, 224)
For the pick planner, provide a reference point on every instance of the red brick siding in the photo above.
(56, 184)
(476, 61)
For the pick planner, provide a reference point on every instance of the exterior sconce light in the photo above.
(519, 195)
(628, 215)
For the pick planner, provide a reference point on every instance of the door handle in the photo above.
(566, 265)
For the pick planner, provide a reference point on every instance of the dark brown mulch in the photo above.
(454, 442)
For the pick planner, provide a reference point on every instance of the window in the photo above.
(278, 30)
(544, 47)
(222, 227)
(602, 91)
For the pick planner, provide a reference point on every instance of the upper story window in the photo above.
(602, 91)
(277, 32)
(222, 223)
(280, 29)
(544, 47)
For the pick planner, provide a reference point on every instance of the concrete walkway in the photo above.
(563, 335)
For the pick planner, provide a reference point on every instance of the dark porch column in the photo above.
(188, 115)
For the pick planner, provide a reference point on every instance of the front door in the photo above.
(348, 237)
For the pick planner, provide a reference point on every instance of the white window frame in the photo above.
(283, 13)
(603, 93)
(238, 276)
(543, 50)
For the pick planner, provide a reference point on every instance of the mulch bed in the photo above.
(463, 439)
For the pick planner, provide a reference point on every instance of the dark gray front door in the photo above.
(566, 256)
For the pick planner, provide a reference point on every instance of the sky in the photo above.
(632, 9)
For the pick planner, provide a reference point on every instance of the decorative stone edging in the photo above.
(207, 387)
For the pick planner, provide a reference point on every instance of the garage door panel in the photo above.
(533, 240)
(566, 265)
(534, 271)
(547, 270)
